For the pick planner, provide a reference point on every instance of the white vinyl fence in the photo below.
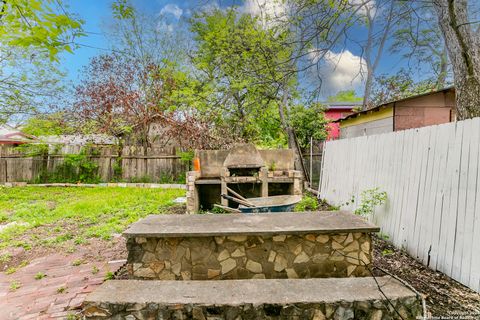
(432, 179)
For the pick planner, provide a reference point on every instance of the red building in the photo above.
(335, 111)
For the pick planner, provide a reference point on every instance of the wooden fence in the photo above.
(432, 179)
(137, 163)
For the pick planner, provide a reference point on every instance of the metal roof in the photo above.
(380, 106)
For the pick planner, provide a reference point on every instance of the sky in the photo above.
(340, 71)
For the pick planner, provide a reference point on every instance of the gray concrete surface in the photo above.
(249, 224)
(240, 292)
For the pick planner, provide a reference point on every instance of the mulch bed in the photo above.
(445, 297)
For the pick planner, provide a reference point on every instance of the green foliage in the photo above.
(187, 157)
(61, 289)
(77, 262)
(47, 125)
(308, 203)
(40, 275)
(14, 285)
(33, 149)
(43, 25)
(345, 96)
(387, 252)
(95, 270)
(308, 122)
(243, 74)
(109, 275)
(11, 270)
(5, 257)
(75, 168)
(370, 199)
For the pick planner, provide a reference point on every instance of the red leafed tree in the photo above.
(119, 97)
(111, 99)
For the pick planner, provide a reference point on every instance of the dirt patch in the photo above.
(444, 296)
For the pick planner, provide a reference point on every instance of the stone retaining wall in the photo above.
(407, 308)
(250, 257)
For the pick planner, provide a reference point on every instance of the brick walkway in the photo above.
(57, 295)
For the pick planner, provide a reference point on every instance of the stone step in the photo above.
(330, 298)
(245, 246)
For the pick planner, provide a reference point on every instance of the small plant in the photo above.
(218, 210)
(6, 257)
(187, 158)
(14, 285)
(272, 166)
(369, 200)
(308, 203)
(95, 270)
(77, 262)
(387, 252)
(23, 263)
(383, 236)
(71, 249)
(72, 316)
(79, 240)
(11, 270)
(109, 275)
(40, 275)
(61, 289)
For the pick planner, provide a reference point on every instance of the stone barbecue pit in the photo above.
(256, 246)
(244, 169)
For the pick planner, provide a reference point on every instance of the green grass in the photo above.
(52, 216)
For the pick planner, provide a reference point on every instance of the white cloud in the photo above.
(172, 9)
(269, 11)
(363, 5)
(339, 71)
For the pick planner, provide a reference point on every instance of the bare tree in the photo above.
(463, 44)
(376, 18)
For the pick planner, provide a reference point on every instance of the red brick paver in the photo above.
(42, 299)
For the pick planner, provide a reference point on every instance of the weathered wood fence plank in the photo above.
(137, 163)
(432, 179)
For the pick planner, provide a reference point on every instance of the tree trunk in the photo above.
(372, 63)
(282, 107)
(443, 70)
(463, 47)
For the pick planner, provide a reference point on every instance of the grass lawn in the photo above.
(42, 217)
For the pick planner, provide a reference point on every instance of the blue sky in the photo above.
(97, 16)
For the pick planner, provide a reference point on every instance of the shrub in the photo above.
(308, 203)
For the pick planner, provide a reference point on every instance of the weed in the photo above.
(72, 316)
(11, 270)
(308, 203)
(71, 249)
(109, 275)
(387, 252)
(40, 275)
(369, 200)
(384, 236)
(14, 285)
(95, 270)
(23, 263)
(6, 257)
(79, 240)
(77, 262)
(62, 289)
